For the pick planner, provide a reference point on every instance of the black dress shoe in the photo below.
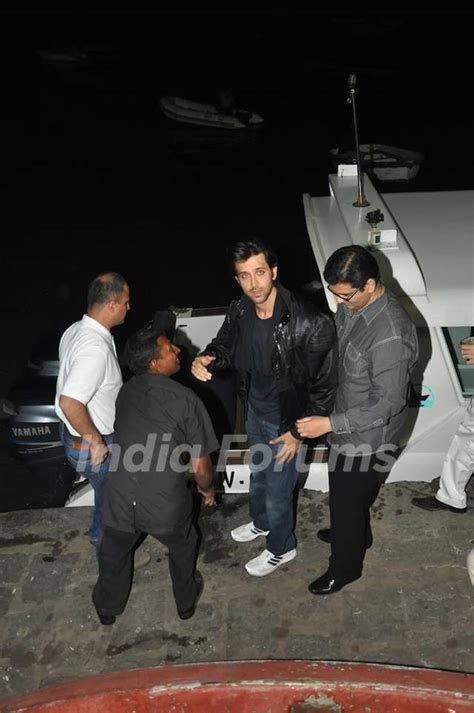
(106, 620)
(188, 613)
(328, 584)
(432, 503)
(325, 536)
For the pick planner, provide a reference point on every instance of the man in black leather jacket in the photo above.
(284, 351)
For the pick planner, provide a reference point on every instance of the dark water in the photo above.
(97, 179)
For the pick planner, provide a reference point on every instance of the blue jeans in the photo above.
(78, 454)
(271, 486)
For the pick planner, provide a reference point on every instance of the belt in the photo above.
(78, 443)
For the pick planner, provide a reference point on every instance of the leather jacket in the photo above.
(304, 356)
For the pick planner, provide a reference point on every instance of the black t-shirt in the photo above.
(263, 394)
(159, 426)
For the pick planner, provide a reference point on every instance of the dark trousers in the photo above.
(115, 557)
(353, 488)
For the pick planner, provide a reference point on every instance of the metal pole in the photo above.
(361, 201)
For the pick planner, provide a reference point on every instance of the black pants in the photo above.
(112, 589)
(353, 488)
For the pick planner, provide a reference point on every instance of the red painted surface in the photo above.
(254, 687)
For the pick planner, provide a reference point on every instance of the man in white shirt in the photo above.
(458, 464)
(88, 384)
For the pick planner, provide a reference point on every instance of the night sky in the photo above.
(95, 177)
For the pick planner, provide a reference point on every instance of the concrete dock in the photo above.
(412, 606)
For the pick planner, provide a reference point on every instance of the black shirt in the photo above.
(263, 394)
(159, 424)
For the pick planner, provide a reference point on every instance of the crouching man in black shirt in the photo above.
(162, 430)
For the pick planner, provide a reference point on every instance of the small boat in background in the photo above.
(191, 112)
(387, 163)
(65, 59)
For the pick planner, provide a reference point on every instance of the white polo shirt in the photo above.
(89, 372)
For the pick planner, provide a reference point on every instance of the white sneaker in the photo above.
(266, 562)
(470, 565)
(248, 532)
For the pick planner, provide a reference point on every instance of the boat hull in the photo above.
(386, 163)
(189, 112)
(254, 686)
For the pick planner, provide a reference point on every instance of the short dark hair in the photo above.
(140, 349)
(253, 246)
(105, 287)
(352, 264)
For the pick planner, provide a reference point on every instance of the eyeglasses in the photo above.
(346, 298)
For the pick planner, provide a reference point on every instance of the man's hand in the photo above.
(98, 452)
(467, 351)
(203, 475)
(209, 496)
(313, 426)
(289, 447)
(78, 416)
(199, 367)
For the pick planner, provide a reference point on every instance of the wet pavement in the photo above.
(413, 605)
